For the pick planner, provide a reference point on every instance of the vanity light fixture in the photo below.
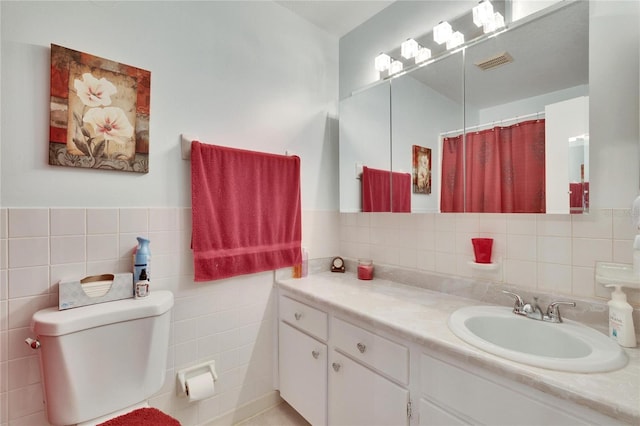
(382, 62)
(423, 54)
(483, 13)
(496, 23)
(455, 40)
(409, 48)
(412, 49)
(395, 67)
(442, 32)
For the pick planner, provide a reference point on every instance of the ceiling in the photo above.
(337, 17)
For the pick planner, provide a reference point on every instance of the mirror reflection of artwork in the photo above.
(99, 113)
(421, 170)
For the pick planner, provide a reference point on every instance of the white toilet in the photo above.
(101, 361)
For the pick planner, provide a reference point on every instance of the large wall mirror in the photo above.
(501, 126)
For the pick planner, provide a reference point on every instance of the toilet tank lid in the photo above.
(52, 322)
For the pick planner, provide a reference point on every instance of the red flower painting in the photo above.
(99, 113)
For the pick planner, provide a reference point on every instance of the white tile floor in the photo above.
(280, 415)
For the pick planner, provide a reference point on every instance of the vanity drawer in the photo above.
(304, 317)
(382, 354)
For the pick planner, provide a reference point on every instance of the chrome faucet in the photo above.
(533, 310)
(553, 311)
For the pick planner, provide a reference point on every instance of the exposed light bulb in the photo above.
(382, 62)
(442, 32)
(423, 54)
(483, 13)
(494, 24)
(396, 66)
(409, 48)
(455, 40)
(499, 20)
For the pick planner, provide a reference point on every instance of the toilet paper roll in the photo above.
(200, 387)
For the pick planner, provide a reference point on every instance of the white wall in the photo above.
(614, 102)
(223, 71)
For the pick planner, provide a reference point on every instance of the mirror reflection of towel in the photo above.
(377, 190)
(246, 211)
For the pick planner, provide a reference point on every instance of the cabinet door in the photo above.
(303, 373)
(359, 396)
(432, 415)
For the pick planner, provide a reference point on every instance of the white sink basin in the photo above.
(567, 346)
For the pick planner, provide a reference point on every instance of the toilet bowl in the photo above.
(100, 361)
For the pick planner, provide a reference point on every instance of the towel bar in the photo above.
(185, 146)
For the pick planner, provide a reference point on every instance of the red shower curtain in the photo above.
(505, 170)
(452, 190)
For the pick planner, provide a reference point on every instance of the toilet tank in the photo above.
(101, 358)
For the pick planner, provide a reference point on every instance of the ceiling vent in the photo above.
(494, 61)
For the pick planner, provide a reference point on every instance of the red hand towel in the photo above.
(376, 191)
(401, 192)
(246, 211)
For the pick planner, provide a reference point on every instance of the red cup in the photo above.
(482, 249)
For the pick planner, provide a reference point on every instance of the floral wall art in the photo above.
(99, 113)
(421, 170)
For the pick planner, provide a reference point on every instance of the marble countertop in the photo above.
(420, 316)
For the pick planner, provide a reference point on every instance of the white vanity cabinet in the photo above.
(346, 372)
(360, 396)
(302, 359)
(359, 392)
(453, 394)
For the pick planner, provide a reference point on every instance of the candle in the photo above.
(365, 269)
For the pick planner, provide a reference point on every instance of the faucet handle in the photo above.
(553, 310)
(519, 303)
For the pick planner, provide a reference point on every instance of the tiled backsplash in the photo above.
(231, 320)
(545, 253)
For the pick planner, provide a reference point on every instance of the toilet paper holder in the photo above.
(186, 373)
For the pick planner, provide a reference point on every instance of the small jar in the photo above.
(365, 269)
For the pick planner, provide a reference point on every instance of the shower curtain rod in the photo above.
(494, 123)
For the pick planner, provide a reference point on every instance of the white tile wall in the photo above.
(229, 321)
(550, 253)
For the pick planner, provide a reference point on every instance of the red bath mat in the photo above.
(143, 417)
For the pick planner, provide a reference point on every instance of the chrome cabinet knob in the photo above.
(315, 354)
(336, 366)
(298, 315)
(361, 347)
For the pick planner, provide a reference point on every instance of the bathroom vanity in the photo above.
(377, 352)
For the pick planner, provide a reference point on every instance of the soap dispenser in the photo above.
(621, 318)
